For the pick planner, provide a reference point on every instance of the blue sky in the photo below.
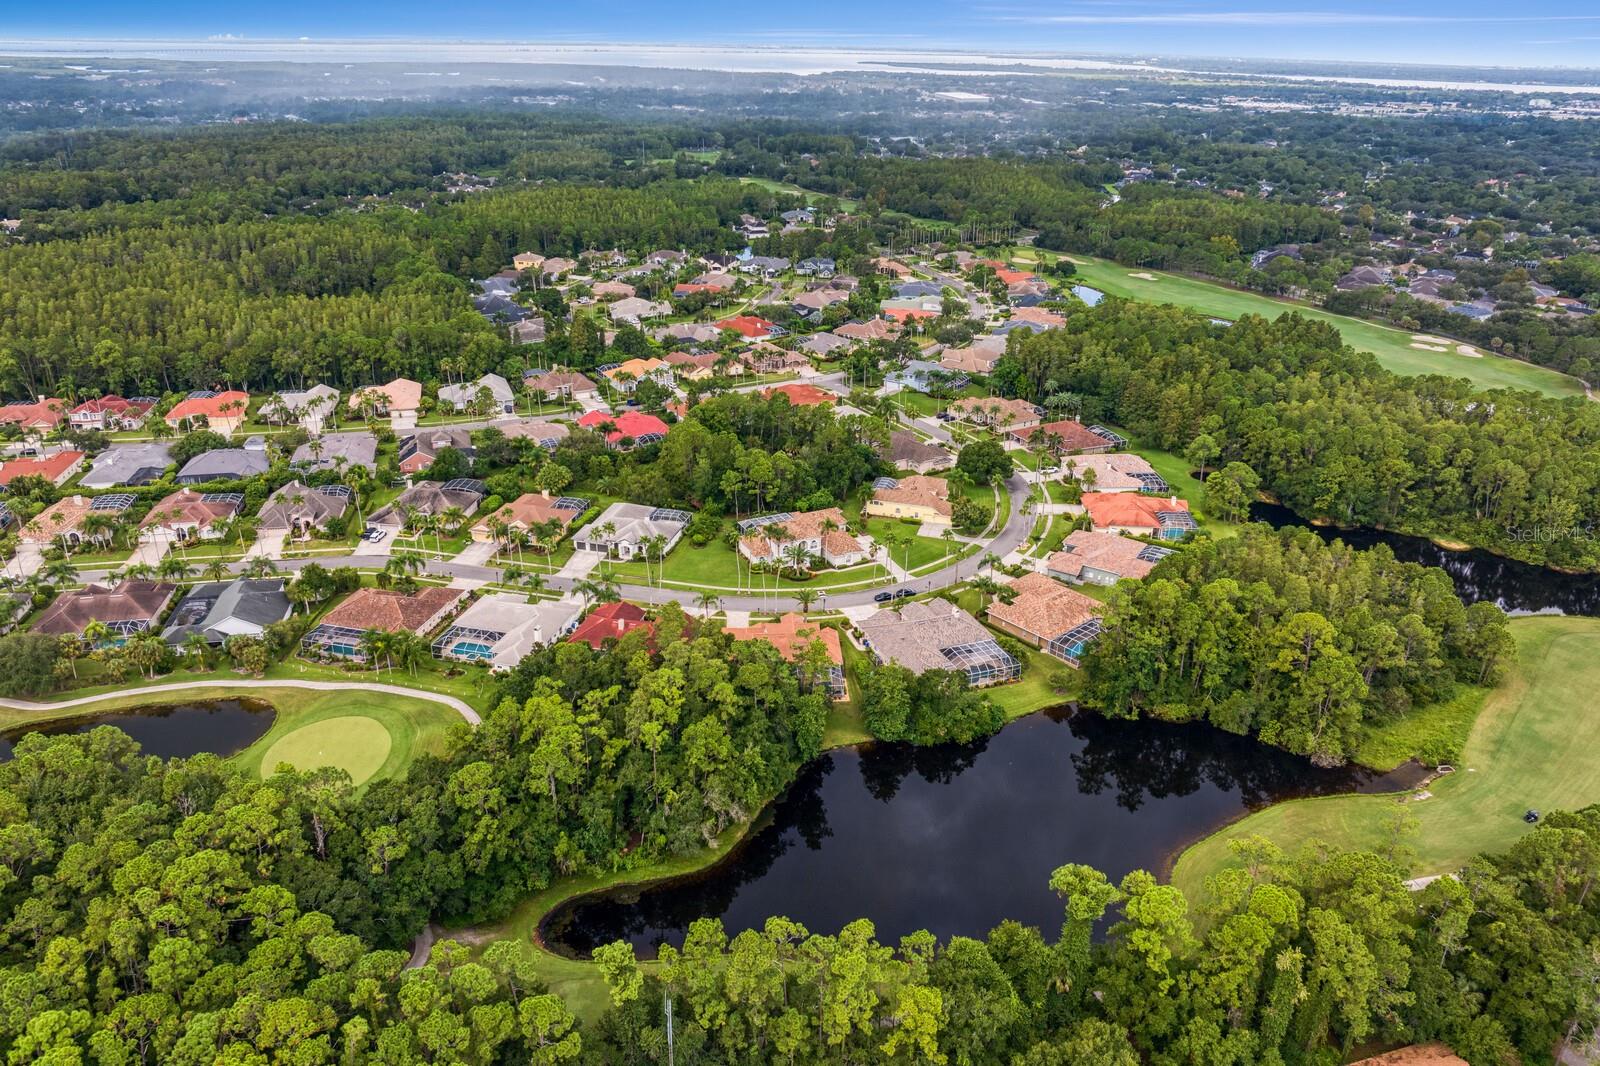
(1488, 32)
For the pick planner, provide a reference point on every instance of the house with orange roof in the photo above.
(764, 358)
(62, 520)
(40, 416)
(817, 535)
(626, 376)
(892, 267)
(630, 429)
(1065, 437)
(751, 327)
(56, 469)
(188, 515)
(870, 330)
(610, 621)
(794, 636)
(1038, 316)
(1090, 558)
(910, 314)
(801, 394)
(400, 401)
(1165, 517)
(528, 512)
(220, 412)
(922, 498)
(342, 632)
(1057, 620)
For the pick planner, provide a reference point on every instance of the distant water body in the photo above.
(758, 59)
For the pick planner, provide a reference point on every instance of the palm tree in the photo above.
(535, 582)
(796, 556)
(376, 645)
(215, 569)
(260, 567)
(197, 647)
(805, 598)
(61, 572)
(710, 601)
(175, 568)
(97, 633)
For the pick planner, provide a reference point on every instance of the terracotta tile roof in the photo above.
(63, 516)
(528, 510)
(1011, 277)
(1043, 607)
(1038, 315)
(996, 408)
(610, 620)
(1064, 436)
(391, 611)
(807, 525)
(230, 404)
(401, 394)
(1110, 552)
(907, 314)
(802, 395)
(875, 329)
(1416, 1055)
(114, 405)
(1113, 472)
(556, 380)
(186, 507)
(789, 634)
(131, 601)
(630, 424)
(918, 491)
(750, 326)
(51, 467)
(44, 413)
(1129, 510)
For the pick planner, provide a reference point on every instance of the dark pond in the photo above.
(1519, 588)
(223, 727)
(956, 838)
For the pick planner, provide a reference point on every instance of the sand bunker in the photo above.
(1469, 351)
(1142, 276)
(1430, 347)
(1428, 338)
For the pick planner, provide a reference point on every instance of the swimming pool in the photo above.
(467, 649)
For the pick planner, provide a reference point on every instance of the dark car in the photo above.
(1531, 817)
(883, 597)
(901, 594)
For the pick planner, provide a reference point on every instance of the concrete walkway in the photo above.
(459, 706)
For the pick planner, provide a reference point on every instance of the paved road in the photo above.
(459, 706)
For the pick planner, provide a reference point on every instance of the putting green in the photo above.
(354, 743)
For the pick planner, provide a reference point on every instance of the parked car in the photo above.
(901, 594)
(374, 535)
(883, 597)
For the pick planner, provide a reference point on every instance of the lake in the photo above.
(1518, 588)
(955, 838)
(223, 727)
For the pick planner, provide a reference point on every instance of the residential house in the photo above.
(917, 290)
(690, 288)
(62, 521)
(909, 314)
(220, 610)
(38, 417)
(530, 330)
(500, 309)
(529, 514)
(1012, 325)
(502, 630)
(1090, 558)
(56, 468)
(630, 429)
(919, 375)
(127, 464)
(220, 412)
(545, 434)
(312, 409)
(626, 530)
(111, 413)
(907, 451)
(187, 515)
(428, 498)
(703, 366)
(751, 327)
(822, 345)
(793, 636)
(764, 358)
(418, 451)
(871, 330)
(801, 394)
(467, 395)
(342, 632)
(567, 384)
(1362, 277)
(996, 411)
(924, 499)
(751, 228)
(1260, 259)
(816, 267)
(300, 511)
(812, 304)
(627, 375)
(614, 289)
(527, 261)
(336, 451)
(1115, 472)
(1043, 612)
(924, 635)
(689, 333)
(556, 266)
(634, 310)
(976, 358)
(1065, 437)
(715, 279)
(1165, 517)
(399, 400)
(666, 257)
(800, 216)
(1035, 316)
(499, 285)
(226, 464)
(811, 535)
(611, 621)
(891, 267)
(127, 608)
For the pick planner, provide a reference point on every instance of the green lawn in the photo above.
(1525, 749)
(719, 568)
(1393, 347)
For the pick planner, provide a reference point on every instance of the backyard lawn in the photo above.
(1523, 751)
(719, 568)
(1393, 347)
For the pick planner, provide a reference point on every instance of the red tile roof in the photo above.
(45, 413)
(391, 611)
(230, 404)
(610, 620)
(789, 634)
(751, 326)
(1065, 436)
(51, 467)
(802, 395)
(630, 424)
(907, 314)
(1129, 510)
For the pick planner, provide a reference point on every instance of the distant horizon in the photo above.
(1537, 34)
(767, 56)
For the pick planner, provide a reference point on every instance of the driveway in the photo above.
(378, 550)
(267, 546)
(477, 553)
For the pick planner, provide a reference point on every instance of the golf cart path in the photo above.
(459, 706)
